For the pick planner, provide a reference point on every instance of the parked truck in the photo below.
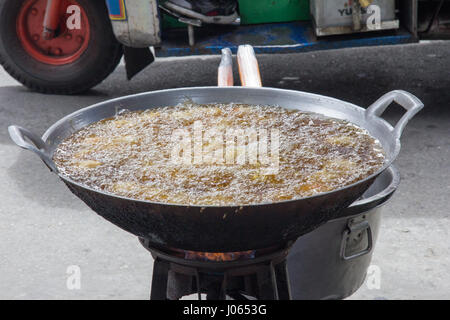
(69, 46)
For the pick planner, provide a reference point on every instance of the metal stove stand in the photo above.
(264, 277)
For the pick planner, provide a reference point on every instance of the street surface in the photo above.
(45, 230)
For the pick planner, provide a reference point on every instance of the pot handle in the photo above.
(354, 232)
(38, 146)
(407, 100)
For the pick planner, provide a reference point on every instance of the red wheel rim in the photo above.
(66, 47)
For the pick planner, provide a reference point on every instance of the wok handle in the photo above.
(20, 135)
(407, 100)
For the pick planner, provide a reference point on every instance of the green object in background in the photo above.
(260, 11)
(267, 11)
(169, 22)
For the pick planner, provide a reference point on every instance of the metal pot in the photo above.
(331, 261)
(234, 228)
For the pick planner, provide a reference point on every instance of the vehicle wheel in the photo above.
(73, 61)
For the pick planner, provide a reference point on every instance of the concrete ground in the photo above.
(45, 230)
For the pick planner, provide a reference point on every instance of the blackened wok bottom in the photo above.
(219, 229)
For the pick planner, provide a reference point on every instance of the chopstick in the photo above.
(225, 72)
(248, 67)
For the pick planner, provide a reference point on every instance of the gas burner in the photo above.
(259, 274)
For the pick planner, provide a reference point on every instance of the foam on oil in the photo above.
(130, 155)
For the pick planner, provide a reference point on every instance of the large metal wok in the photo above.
(219, 228)
(216, 228)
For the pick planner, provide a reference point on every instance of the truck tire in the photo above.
(80, 56)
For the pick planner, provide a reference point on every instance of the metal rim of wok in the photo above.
(295, 217)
